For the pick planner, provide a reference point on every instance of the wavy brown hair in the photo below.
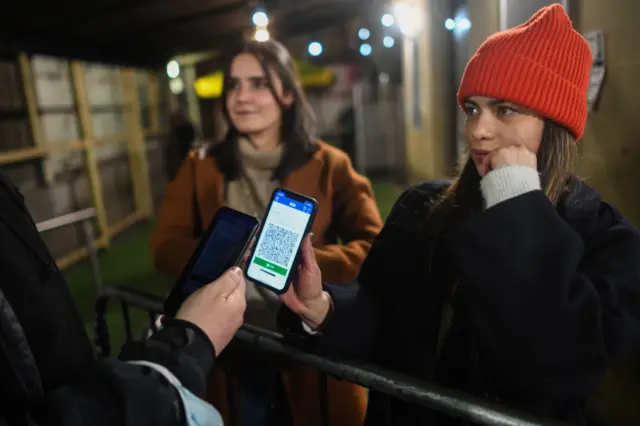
(298, 126)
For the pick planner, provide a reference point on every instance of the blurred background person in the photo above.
(182, 139)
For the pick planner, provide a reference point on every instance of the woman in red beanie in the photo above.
(513, 282)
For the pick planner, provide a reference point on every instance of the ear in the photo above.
(287, 99)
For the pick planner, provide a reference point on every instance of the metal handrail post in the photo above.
(87, 228)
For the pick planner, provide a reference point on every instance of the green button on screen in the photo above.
(270, 266)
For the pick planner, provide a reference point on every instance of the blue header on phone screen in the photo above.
(303, 206)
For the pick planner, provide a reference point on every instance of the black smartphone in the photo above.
(275, 255)
(222, 246)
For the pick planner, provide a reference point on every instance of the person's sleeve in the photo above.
(508, 182)
(348, 333)
(356, 219)
(358, 315)
(160, 381)
(551, 312)
(172, 241)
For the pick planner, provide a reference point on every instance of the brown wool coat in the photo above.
(345, 199)
(346, 207)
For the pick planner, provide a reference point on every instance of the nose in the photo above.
(482, 127)
(243, 93)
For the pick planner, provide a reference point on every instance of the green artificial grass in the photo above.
(386, 196)
(127, 262)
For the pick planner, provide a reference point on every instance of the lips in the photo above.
(479, 155)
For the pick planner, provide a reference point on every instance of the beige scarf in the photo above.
(250, 194)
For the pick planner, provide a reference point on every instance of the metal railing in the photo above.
(438, 398)
(126, 297)
(403, 387)
(86, 218)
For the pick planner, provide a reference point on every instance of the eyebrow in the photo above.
(495, 102)
(251, 77)
(491, 103)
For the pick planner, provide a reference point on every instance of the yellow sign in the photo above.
(320, 78)
(210, 86)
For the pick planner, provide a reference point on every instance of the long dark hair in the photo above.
(298, 120)
(557, 164)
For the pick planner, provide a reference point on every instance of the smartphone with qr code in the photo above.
(276, 254)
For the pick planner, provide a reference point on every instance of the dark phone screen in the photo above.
(222, 250)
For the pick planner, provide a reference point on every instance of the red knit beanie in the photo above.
(543, 65)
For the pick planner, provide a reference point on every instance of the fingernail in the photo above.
(310, 235)
(237, 271)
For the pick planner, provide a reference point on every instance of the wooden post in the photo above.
(84, 115)
(31, 100)
(136, 143)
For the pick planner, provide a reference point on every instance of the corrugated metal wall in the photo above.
(53, 173)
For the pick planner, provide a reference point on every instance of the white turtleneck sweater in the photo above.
(258, 167)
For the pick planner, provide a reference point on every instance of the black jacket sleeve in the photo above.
(348, 333)
(358, 318)
(551, 309)
(118, 392)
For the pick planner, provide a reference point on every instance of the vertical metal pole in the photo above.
(136, 144)
(87, 227)
(101, 329)
(358, 114)
(193, 103)
(400, 138)
(152, 101)
(387, 108)
(324, 399)
(503, 16)
(127, 320)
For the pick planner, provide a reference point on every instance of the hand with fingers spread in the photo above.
(508, 156)
(218, 308)
(305, 297)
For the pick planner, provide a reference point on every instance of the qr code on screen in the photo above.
(277, 244)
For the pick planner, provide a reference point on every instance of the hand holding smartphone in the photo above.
(221, 247)
(275, 256)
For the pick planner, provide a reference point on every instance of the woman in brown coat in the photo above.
(270, 143)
